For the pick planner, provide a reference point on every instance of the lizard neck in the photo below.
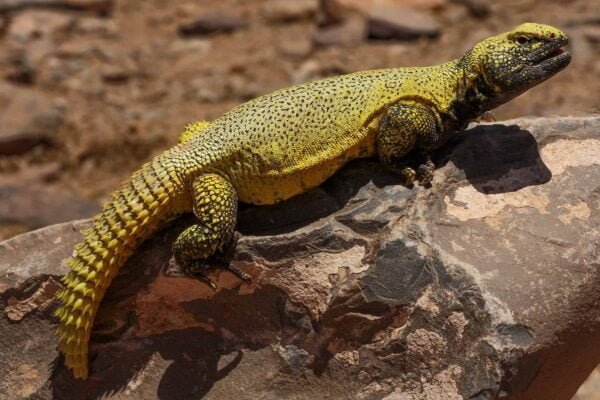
(474, 94)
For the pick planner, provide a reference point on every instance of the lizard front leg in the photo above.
(401, 129)
(215, 205)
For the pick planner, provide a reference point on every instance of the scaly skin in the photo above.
(288, 142)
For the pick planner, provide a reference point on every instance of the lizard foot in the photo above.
(222, 259)
(408, 175)
(425, 172)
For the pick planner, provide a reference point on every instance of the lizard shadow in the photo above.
(495, 158)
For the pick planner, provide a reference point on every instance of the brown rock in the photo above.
(420, 4)
(352, 21)
(387, 21)
(299, 47)
(34, 205)
(478, 8)
(213, 23)
(339, 10)
(102, 7)
(36, 24)
(590, 390)
(289, 10)
(29, 119)
(484, 286)
(350, 32)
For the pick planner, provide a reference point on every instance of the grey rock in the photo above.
(485, 285)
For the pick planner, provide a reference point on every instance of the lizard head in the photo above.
(515, 61)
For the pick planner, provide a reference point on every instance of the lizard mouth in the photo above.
(552, 56)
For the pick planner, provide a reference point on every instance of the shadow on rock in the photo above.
(333, 195)
(496, 158)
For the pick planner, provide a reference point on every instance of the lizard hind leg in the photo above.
(215, 206)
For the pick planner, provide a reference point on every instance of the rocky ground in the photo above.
(91, 88)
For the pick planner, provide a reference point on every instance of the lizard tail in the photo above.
(129, 217)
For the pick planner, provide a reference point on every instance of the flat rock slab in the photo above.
(484, 286)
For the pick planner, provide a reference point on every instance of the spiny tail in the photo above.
(128, 218)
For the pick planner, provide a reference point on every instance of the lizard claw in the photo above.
(425, 172)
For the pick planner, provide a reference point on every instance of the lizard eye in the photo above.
(522, 39)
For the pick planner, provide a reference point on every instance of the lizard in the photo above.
(287, 142)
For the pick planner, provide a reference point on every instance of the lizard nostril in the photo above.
(553, 35)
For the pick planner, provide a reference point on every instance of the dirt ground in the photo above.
(92, 88)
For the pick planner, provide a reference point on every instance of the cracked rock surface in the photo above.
(484, 286)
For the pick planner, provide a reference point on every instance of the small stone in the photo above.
(20, 67)
(102, 7)
(213, 23)
(339, 10)
(350, 32)
(477, 8)
(419, 4)
(308, 70)
(394, 22)
(296, 47)
(592, 33)
(29, 119)
(289, 10)
(36, 24)
(96, 26)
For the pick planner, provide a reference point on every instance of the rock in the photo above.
(484, 286)
(418, 4)
(34, 205)
(590, 390)
(309, 70)
(20, 67)
(352, 21)
(340, 10)
(298, 48)
(289, 10)
(213, 23)
(350, 32)
(36, 24)
(96, 26)
(101, 7)
(387, 21)
(29, 119)
(477, 8)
